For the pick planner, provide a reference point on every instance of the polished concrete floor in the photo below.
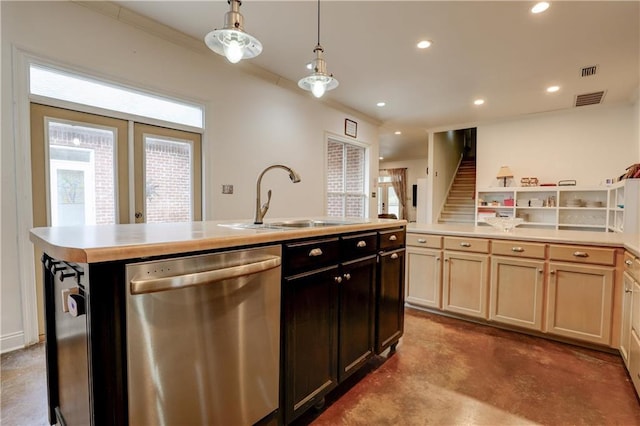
(445, 372)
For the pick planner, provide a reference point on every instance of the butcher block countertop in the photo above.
(103, 243)
(630, 242)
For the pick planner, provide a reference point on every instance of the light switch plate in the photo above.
(227, 189)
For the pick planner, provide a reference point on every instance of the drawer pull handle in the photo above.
(361, 244)
(394, 256)
(552, 272)
(422, 241)
(628, 262)
(517, 249)
(628, 290)
(465, 244)
(437, 259)
(337, 279)
(581, 254)
(540, 271)
(347, 276)
(315, 252)
(393, 238)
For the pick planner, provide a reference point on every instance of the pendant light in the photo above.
(231, 41)
(319, 81)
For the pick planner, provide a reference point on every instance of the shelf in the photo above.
(609, 217)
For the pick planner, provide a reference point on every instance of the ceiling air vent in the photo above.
(589, 71)
(589, 98)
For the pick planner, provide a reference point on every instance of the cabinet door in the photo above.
(580, 300)
(625, 333)
(516, 292)
(465, 283)
(424, 272)
(357, 303)
(390, 300)
(311, 348)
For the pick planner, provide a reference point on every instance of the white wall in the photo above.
(588, 144)
(251, 122)
(416, 169)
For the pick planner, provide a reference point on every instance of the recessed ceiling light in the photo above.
(540, 7)
(552, 89)
(381, 104)
(478, 102)
(398, 132)
(423, 44)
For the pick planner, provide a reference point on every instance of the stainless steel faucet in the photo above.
(261, 210)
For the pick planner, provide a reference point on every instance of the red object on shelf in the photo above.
(548, 184)
(508, 202)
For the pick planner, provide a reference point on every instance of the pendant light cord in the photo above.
(318, 22)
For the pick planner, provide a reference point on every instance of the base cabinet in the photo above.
(517, 288)
(424, 274)
(311, 353)
(465, 283)
(390, 313)
(580, 301)
(625, 331)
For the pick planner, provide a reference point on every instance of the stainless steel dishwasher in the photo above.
(203, 338)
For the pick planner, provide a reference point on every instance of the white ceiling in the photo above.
(497, 50)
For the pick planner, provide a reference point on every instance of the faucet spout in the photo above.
(261, 209)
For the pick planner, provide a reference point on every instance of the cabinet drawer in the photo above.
(518, 248)
(423, 240)
(392, 239)
(478, 245)
(582, 254)
(361, 245)
(310, 255)
(632, 266)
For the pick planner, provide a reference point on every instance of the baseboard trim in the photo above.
(11, 342)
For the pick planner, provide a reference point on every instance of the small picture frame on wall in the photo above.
(350, 128)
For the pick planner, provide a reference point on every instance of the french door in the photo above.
(81, 170)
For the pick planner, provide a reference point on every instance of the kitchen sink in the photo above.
(289, 224)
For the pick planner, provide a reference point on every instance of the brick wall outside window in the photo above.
(345, 179)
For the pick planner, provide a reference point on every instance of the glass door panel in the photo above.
(167, 175)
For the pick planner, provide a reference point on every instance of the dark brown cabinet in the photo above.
(329, 317)
(390, 290)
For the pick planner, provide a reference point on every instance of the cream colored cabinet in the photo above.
(625, 332)
(466, 276)
(632, 277)
(517, 283)
(580, 293)
(424, 271)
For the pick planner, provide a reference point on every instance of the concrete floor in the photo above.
(445, 372)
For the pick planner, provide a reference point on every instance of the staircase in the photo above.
(461, 203)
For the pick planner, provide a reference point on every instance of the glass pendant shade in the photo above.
(319, 81)
(231, 41)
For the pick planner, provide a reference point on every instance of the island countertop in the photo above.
(630, 242)
(103, 243)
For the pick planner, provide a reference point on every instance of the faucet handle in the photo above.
(265, 206)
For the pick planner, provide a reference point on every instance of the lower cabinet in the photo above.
(580, 301)
(311, 333)
(390, 300)
(465, 283)
(424, 272)
(517, 288)
(341, 301)
(634, 350)
(625, 331)
(357, 314)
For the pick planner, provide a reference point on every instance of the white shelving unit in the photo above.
(565, 207)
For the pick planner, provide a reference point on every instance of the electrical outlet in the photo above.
(373, 195)
(227, 189)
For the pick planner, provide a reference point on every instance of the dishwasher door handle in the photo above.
(154, 285)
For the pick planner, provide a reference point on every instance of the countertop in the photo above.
(103, 243)
(630, 242)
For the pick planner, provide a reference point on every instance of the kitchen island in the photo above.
(134, 336)
(579, 287)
